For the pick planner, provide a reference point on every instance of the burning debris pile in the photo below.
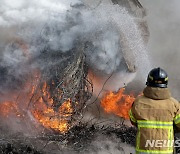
(58, 101)
(55, 60)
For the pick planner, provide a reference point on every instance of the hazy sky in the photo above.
(164, 45)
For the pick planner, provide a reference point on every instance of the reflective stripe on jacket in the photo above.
(154, 114)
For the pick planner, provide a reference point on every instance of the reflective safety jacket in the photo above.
(154, 114)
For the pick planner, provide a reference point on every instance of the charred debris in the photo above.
(79, 139)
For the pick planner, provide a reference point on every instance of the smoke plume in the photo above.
(31, 30)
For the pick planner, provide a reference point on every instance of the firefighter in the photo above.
(154, 113)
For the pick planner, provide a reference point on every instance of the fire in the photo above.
(50, 119)
(45, 114)
(7, 108)
(118, 103)
(41, 108)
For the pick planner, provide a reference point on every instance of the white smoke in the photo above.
(109, 34)
(20, 12)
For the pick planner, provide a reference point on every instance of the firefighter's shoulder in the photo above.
(139, 99)
(176, 104)
(174, 100)
(138, 104)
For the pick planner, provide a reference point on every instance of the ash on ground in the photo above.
(80, 139)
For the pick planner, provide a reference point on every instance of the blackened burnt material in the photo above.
(82, 138)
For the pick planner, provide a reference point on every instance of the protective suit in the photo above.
(154, 114)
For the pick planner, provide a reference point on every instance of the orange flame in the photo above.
(48, 117)
(118, 103)
(42, 109)
(9, 107)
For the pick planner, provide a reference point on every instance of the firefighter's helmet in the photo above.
(157, 78)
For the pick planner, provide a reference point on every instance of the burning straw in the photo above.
(58, 100)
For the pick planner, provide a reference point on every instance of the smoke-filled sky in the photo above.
(163, 18)
(107, 31)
